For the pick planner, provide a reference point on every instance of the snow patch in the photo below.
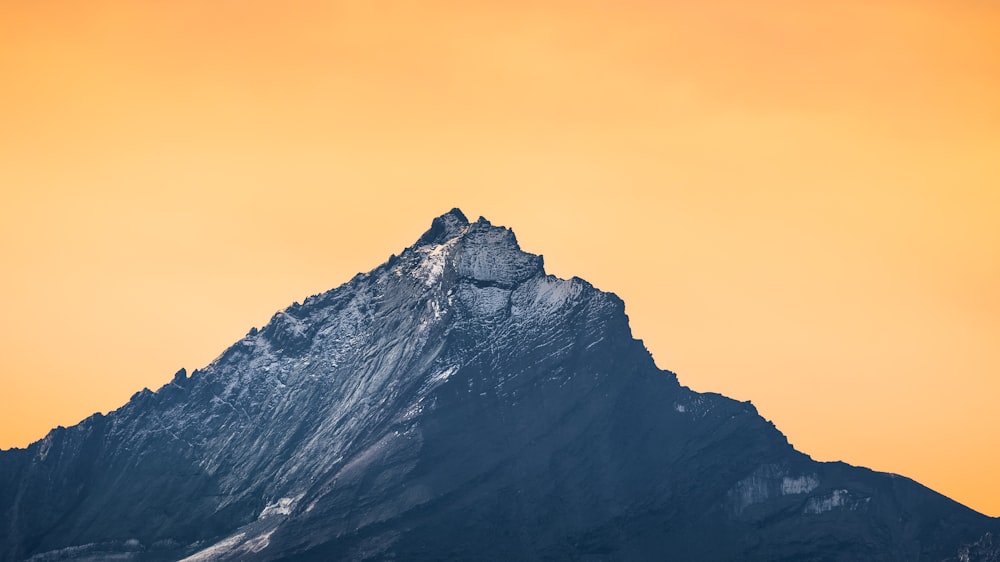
(259, 542)
(754, 489)
(281, 507)
(432, 267)
(545, 295)
(800, 485)
(770, 482)
(444, 375)
(43, 450)
(838, 498)
(553, 292)
(216, 549)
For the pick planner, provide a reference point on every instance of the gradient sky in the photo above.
(798, 201)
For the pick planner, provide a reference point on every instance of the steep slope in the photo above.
(456, 402)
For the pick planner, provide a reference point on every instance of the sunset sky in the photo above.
(799, 202)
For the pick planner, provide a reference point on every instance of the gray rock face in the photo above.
(456, 402)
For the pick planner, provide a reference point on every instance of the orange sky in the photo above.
(798, 201)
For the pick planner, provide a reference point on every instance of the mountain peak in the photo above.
(480, 252)
(444, 227)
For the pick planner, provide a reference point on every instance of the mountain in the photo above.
(454, 403)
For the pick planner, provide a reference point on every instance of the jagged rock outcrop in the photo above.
(456, 402)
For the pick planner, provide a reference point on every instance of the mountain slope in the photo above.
(456, 402)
